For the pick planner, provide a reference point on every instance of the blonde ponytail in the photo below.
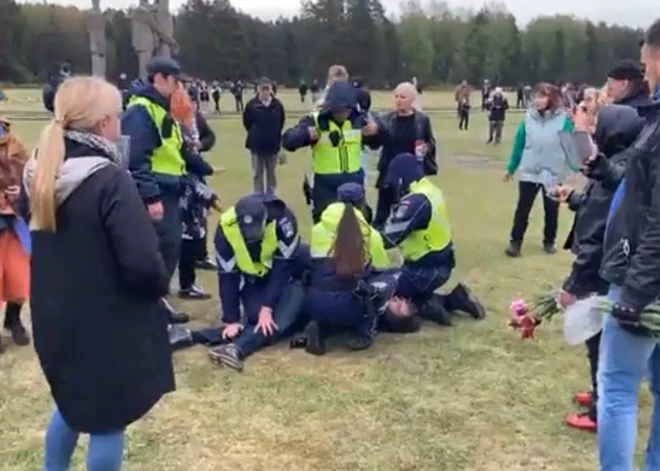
(49, 160)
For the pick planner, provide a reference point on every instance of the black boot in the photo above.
(434, 310)
(549, 248)
(13, 324)
(314, 343)
(180, 337)
(513, 250)
(359, 341)
(174, 317)
(462, 299)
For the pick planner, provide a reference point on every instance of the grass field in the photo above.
(471, 397)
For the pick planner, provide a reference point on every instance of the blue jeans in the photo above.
(105, 451)
(624, 360)
(365, 165)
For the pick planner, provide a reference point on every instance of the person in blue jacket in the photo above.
(335, 134)
(260, 262)
(54, 81)
(347, 255)
(159, 159)
(419, 227)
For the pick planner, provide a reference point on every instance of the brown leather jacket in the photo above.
(13, 157)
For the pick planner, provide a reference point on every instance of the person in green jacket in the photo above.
(542, 164)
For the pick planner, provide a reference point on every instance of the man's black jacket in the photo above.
(632, 241)
(617, 128)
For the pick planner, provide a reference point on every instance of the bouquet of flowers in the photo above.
(525, 317)
(649, 318)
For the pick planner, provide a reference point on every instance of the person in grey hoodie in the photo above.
(537, 152)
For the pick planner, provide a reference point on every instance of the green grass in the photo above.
(471, 397)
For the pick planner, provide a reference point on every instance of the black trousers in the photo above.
(169, 232)
(463, 119)
(187, 261)
(383, 206)
(593, 348)
(527, 192)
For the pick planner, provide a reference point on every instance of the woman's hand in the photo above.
(565, 299)
(508, 177)
(231, 331)
(266, 323)
(583, 119)
(12, 192)
(561, 193)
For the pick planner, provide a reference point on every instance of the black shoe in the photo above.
(206, 264)
(314, 341)
(434, 310)
(298, 341)
(357, 342)
(194, 293)
(513, 250)
(462, 299)
(19, 335)
(549, 249)
(180, 337)
(227, 355)
(178, 318)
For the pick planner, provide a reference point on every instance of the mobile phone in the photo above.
(577, 147)
(583, 144)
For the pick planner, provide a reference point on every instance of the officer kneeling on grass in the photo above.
(260, 260)
(347, 253)
(419, 226)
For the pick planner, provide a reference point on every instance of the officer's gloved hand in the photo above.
(596, 168)
(629, 319)
(334, 137)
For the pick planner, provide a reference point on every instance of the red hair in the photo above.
(181, 107)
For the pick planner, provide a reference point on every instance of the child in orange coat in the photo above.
(14, 235)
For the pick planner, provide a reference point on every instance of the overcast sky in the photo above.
(631, 12)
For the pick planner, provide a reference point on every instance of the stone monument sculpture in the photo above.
(152, 32)
(97, 44)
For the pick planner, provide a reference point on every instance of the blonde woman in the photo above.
(97, 277)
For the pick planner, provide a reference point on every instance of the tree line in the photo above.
(429, 40)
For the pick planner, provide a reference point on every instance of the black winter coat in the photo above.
(617, 128)
(632, 241)
(387, 139)
(99, 330)
(264, 126)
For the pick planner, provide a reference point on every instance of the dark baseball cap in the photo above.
(626, 69)
(164, 66)
(350, 193)
(251, 213)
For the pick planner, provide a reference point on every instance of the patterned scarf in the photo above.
(99, 143)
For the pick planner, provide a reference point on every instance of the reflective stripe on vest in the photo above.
(246, 265)
(437, 236)
(325, 232)
(167, 158)
(345, 158)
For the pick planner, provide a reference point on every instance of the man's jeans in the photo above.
(365, 165)
(624, 360)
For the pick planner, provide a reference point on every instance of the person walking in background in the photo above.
(520, 97)
(496, 107)
(14, 235)
(263, 120)
(302, 90)
(464, 114)
(157, 162)
(216, 91)
(404, 130)
(237, 90)
(527, 96)
(315, 89)
(538, 153)
(485, 93)
(97, 280)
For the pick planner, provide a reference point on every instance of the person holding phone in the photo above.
(537, 152)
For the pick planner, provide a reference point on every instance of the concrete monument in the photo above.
(153, 32)
(97, 44)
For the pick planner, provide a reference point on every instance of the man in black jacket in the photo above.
(626, 84)
(263, 119)
(632, 267)
(496, 107)
(405, 130)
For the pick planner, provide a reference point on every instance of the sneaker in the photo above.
(462, 299)
(194, 293)
(19, 335)
(314, 344)
(357, 342)
(583, 399)
(206, 264)
(513, 250)
(227, 355)
(180, 337)
(582, 421)
(549, 249)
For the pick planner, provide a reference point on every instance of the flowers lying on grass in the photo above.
(526, 317)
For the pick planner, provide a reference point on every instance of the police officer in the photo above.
(259, 254)
(157, 160)
(346, 254)
(54, 81)
(419, 226)
(335, 135)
